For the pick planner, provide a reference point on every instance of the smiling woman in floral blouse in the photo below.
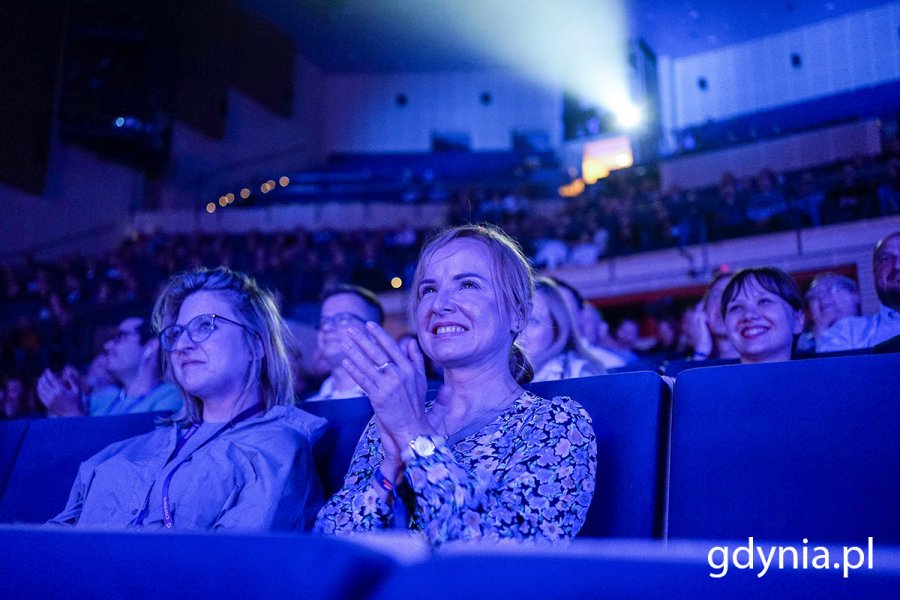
(485, 459)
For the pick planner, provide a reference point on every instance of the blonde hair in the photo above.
(263, 327)
(565, 334)
(512, 274)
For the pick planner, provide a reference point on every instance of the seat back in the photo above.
(630, 412)
(801, 449)
(48, 459)
(631, 418)
(347, 418)
(673, 368)
(51, 562)
(12, 433)
(644, 569)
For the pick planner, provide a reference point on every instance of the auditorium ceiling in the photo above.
(399, 35)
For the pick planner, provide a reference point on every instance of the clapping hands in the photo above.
(393, 377)
(61, 393)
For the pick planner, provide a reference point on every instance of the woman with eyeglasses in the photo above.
(239, 455)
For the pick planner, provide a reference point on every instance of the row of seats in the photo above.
(783, 451)
(49, 563)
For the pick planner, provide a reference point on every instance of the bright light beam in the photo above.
(579, 45)
(628, 115)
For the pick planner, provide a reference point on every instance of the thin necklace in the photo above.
(500, 406)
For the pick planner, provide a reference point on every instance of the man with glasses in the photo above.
(343, 307)
(830, 298)
(133, 361)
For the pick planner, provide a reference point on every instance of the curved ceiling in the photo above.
(412, 35)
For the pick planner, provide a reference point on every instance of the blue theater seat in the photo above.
(53, 562)
(12, 433)
(616, 569)
(674, 368)
(631, 418)
(347, 418)
(48, 459)
(630, 413)
(801, 449)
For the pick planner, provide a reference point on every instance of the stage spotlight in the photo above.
(628, 116)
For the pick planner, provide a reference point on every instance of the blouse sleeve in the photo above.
(541, 493)
(357, 506)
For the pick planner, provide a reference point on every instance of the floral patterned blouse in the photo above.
(527, 475)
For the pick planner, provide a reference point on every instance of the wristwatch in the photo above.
(421, 446)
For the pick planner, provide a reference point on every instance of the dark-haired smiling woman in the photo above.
(763, 312)
(486, 459)
(238, 457)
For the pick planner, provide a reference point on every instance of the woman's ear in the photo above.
(151, 357)
(520, 319)
(517, 325)
(151, 349)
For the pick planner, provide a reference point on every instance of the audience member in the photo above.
(848, 199)
(707, 329)
(344, 307)
(239, 455)
(831, 297)
(592, 328)
(809, 198)
(768, 207)
(665, 343)
(627, 335)
(552, 250)
(763, 312)
(551, 340)
(889, 190)
(471, 464)
(52, 307)
(133, 361)
(851, 333)
(17, 400)
(729, 220)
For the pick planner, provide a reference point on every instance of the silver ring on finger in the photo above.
(381, 368)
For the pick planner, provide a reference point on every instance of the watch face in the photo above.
(422, 446)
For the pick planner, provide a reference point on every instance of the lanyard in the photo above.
(168, 518)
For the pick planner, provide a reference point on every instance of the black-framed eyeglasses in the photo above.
(341, 320)
(198, 330)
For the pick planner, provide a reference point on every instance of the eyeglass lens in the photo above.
(198, 329)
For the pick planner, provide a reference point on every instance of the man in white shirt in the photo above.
(851, 333)
(343, 307)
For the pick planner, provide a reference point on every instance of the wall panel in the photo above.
(839, 55)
